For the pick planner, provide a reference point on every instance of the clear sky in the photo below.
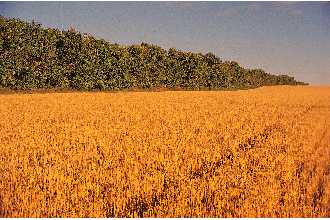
(280, 37)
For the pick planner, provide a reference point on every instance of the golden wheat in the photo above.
(253, 153)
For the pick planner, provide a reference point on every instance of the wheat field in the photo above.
(254, 153)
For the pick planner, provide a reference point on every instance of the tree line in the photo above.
(33, 57)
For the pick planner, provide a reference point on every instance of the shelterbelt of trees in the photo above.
(33, 57)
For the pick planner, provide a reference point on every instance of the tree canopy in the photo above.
(33, 57)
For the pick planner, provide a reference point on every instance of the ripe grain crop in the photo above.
(253, 153)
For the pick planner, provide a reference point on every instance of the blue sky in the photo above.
(280, 37)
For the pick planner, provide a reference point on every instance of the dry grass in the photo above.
(262, 152)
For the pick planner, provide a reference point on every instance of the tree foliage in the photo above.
(35, 57)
